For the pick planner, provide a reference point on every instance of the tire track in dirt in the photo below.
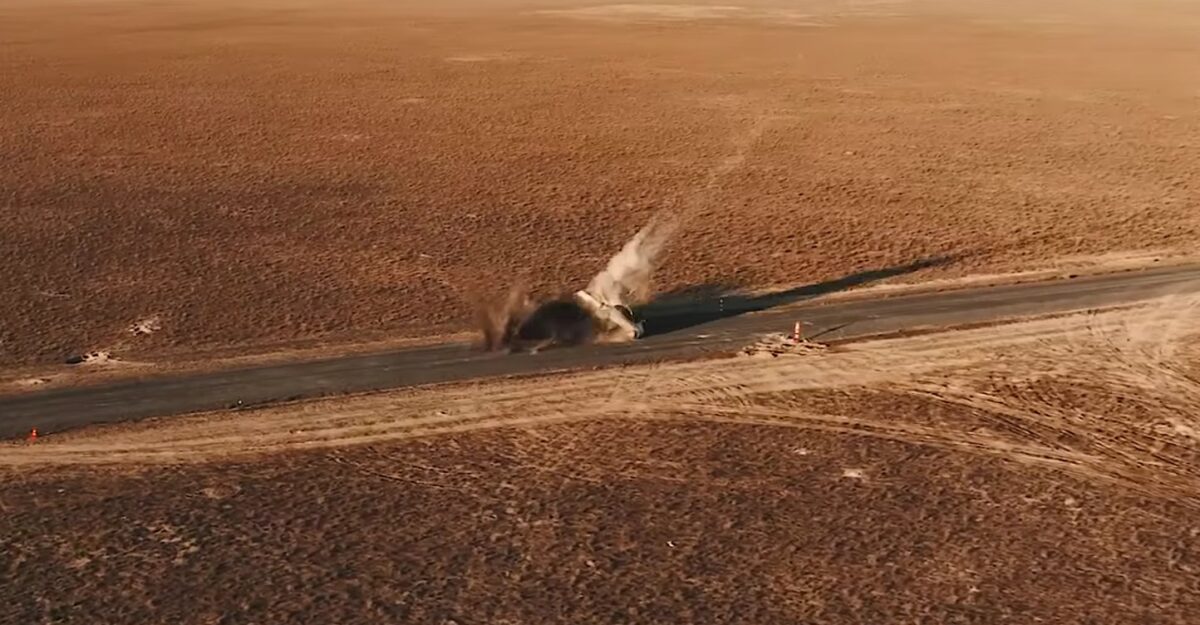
(1010, 376)
(483, 404)
(1118, 388)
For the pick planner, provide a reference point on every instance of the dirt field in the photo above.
(264, 175)
(1043, 471)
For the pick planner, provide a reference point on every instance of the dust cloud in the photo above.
(626, 280)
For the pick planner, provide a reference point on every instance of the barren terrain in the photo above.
(200, 180)
(1044, 470)
(245, 177)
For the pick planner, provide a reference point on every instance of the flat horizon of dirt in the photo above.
(263, 176)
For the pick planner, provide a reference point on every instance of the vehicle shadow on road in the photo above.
(693, 306)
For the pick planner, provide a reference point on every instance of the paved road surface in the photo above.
(696, 332)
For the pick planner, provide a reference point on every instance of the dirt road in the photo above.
(1039, 470)
(676, 334)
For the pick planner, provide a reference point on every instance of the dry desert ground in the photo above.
(1043, 471)
(245, 177)
(200, 180)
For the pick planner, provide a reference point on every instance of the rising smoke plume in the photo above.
(625, 280)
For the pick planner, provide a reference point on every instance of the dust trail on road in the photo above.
(626, 280)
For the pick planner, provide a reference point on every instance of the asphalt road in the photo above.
(723, 326)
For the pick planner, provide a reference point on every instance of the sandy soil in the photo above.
(276, 175)
(1045, 470)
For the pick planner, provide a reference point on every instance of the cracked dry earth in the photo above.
(1039, 471)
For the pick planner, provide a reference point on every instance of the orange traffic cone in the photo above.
(33, 435)
(796, 333)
